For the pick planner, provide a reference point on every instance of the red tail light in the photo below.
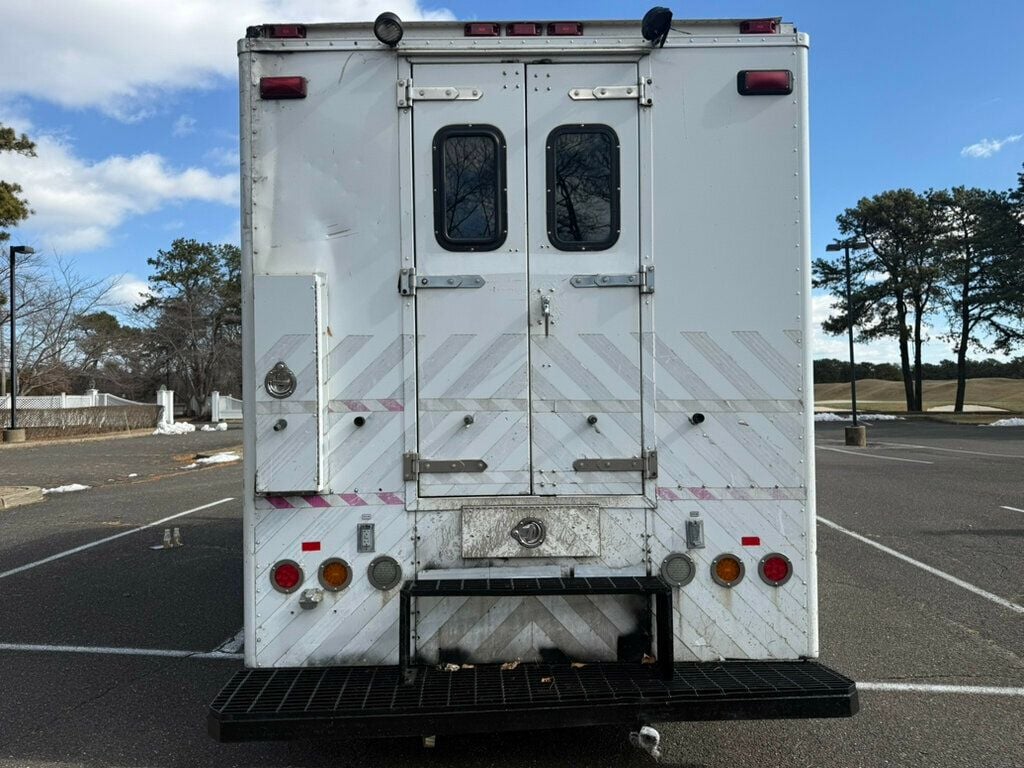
(284, 30)
(482, 29)
(759, 27)
(286, 576)
(764, 82)
(282, 87)
(524, 29)
(775, 569)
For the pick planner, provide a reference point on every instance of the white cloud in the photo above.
(126, 291)
(225, 156)
(184, 126)
(988, 147)
(125, 57)
(78, 203)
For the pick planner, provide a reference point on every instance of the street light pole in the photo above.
(858, 437)
(13, 434)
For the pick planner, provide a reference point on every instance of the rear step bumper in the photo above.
(369, 702)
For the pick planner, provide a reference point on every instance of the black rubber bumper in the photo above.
(371, 702)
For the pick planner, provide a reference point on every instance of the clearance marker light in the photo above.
(565, 28)
(524, 29)
(759, 27)
(282, 87)
(764, 82)
(284, 30)
(482, 29)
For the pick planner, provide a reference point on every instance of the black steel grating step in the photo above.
(605, 585)
(337, 692)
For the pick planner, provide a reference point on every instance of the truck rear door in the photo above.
(528, 279)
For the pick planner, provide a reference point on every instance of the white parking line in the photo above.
(970, 690)
(951, 450)
(233, 644)
(1013, 509)
(108, 651)
(874, 456)
(925, 567)
(96, 543)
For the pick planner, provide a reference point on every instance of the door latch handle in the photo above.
(545, 310)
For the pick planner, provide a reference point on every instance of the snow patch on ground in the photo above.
(67, 488)
(217, 458)
(860, 416)
(133, 474)
(178, 428)
(1014, 422)
(221, 427)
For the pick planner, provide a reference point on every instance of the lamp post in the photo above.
(855, 435)
(13, 434)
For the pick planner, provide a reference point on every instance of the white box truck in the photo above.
(528, 386)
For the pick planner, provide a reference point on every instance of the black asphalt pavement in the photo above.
(932, 492)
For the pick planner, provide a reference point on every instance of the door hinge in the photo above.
(407, 93)
(648, 464)
(409, 282)
(413, 466)
(644, 280)
(639, 92)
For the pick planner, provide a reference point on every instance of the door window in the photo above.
(583, 187)
(469, 188)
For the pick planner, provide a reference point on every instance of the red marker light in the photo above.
(282, 87)
(284, 30)
(764, 82)
(524, 29)
(751, 541)
(759, 27)
(565, 28)
(482, 29)
(311, 546)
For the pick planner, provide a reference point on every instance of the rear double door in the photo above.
(527, 279)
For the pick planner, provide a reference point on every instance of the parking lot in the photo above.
(921, 595)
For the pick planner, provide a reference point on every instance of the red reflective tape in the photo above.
(751, 541)
(311, 546)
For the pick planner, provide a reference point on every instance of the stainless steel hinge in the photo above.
(644, 280)
(639, 92)
(413, 466)
(407, 93)
(409, 282)
(648, 464)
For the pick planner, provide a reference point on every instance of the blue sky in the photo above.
(136, 111)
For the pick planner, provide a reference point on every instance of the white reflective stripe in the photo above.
(1013, 509)
(96, 543)
(925, 567)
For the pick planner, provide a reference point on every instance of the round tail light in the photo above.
(384, 572)
(286, 576)
(678, 569)
(775, 569)
(334, 574)
(727, 570)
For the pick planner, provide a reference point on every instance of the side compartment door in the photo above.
(585, 278)
(469, 161)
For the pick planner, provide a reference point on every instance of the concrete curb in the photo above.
(15, 496)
